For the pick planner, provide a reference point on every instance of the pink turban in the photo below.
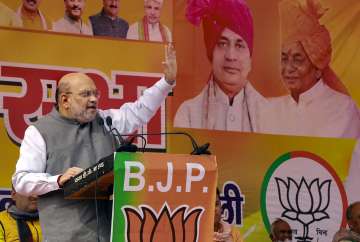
(216, 15)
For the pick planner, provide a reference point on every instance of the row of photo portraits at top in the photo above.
(106, 22)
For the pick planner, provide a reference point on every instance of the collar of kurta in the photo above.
(314, 92)
(20, 13)
(221, 97)
(145, 26)
(103, 14)
(73, 21)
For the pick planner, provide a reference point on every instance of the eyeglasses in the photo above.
(87, 93)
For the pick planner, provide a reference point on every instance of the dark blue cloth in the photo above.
(103, 25)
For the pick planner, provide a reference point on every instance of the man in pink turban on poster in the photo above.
(228, 101)
(318, 104)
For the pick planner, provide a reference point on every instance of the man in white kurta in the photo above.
(312, 108)
(69, 139)
(315, 107)
(211, 109)
(320, 111)
(155, 33)
(72, 21)
(149, 28)
(228, 101)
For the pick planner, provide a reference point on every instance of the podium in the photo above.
(99, 178)
(156, 196)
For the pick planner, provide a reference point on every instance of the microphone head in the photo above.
(204, 146)
(202, 150)
(127, 148)
(108, 121)
(100, 121)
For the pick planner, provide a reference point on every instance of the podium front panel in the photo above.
(163, 197)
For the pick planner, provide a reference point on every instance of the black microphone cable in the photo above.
(124, 145)
(128, 146)
(144, 142)
(101, 123)
(96, 206)
(202, 150)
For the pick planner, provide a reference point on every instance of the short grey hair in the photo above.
(62, 87)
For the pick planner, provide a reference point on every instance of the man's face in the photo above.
(82, 100)
(231, 61)
(282, 231)
(24, 203)
(354, 222)
(31, 5)
(153, 11)
(74, 8)
(298, 73)
(111, 7)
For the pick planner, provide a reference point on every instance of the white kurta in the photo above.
(242, 115)
(29, 177)
(67, 25)
(321, 111)
(154, 32)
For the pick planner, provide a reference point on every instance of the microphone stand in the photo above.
(124, 146)
(128, 146)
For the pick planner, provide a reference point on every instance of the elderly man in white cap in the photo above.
(149, 27)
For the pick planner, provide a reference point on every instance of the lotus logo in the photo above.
(145, 225)
(305, 202)
(304, 189)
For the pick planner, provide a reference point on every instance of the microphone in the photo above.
(123, 144)
(197, 150)
(101, 123)
(128, 146)
(202, 150)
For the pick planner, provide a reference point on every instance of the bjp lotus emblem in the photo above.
(143, 224)
(305, 202)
